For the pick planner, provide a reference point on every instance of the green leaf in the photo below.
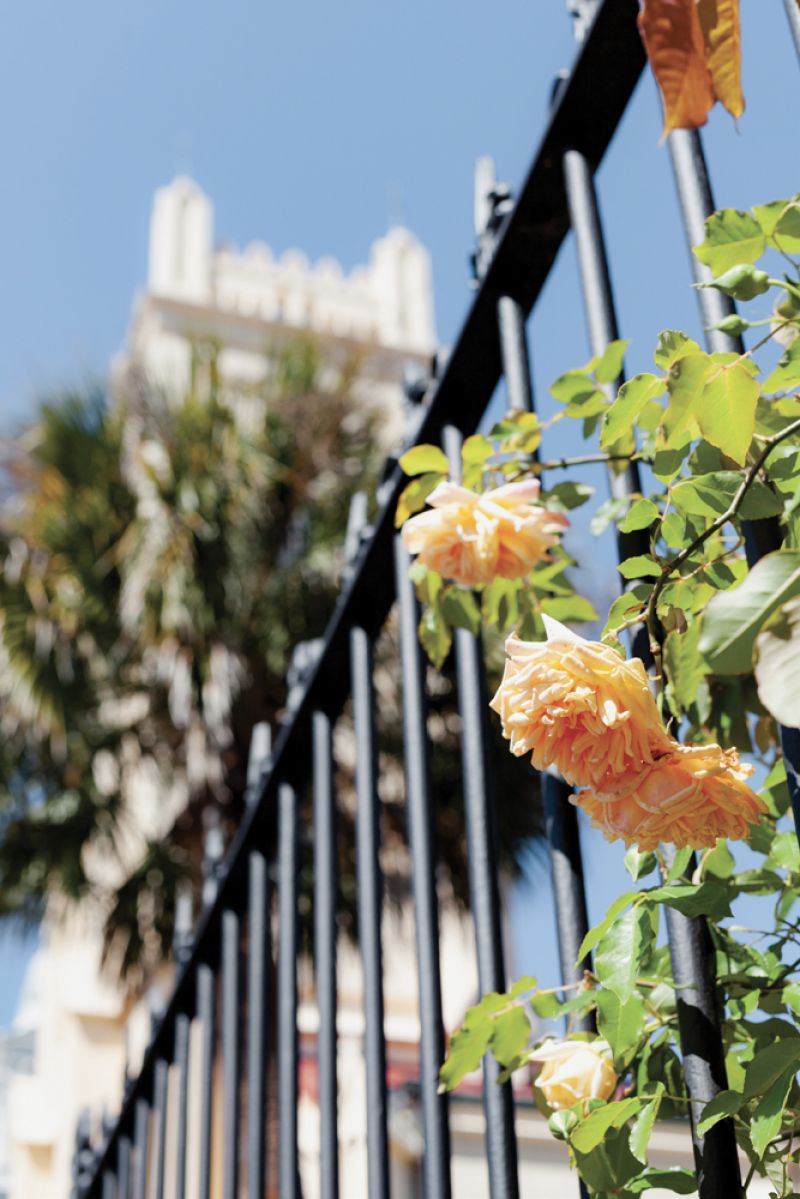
(742, 282)
(609, 1167)
(510, 1035)
(423, 458)
(625, 604)
(643, 1126)
(733, 619)
(468, 1045)
(621, 951)
(640, 515)
(476, 450)
(780, 221)
(768, 1116)
(710, 898)
(734, 325)
(413, 497)
(639, 864)
(673, 345)
(683, 665)
(435, 636)
(685, 383)
(769, 1064)
(630, 402)
(719, 862)
(727, 411)
(640, 566)
(573, 386)
(786, 233)
(526, 983)
(711, 495)
(731, 237)
(677, 1179)
(500, 602)
(568, 495)
(570, 609)
(786, 375)
(724, 1104)
(621, 1024)
(608, 512)
(460, 609)
(592, 1130)
(680, 863)
(777, 665)
(608, 367)
(594, 934)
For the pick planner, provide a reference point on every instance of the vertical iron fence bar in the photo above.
(206, 999)
(370, 906)
(288, 1178)
(182, 1029)
(160, 1076)
(109, 1186)
(498, 1101)
(230, 1054)
(514, 353)
(436, 1160)
(561, 818)
(793, 14)
(259, 958)
(325, 950)
(690, 943)
(697, 203)
(139, 1158)
(124, 1168)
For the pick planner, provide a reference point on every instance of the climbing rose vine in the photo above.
(677, 760)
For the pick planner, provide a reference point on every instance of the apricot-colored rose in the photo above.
(575, 1071)
(474, 538)
(577, 706)
(692, 796)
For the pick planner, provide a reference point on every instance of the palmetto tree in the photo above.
(160, 560)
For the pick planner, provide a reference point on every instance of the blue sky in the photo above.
(308, 125)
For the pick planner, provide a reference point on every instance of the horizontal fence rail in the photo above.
(214, 1107)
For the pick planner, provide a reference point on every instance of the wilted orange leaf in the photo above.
(719, 20)
(673, 39)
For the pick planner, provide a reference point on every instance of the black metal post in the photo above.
(182, 1029)
(288, 1178)
(139, 1160)
(124, 1167)
(230, 1054)
(206, 1002)
(325, 926)
(498, 1101)
(793, 14)
(436, 1162)
(688, 940)
(108, 1188)
(561, 819)
(697, 204)
(259, 959)
(370, 907)
(160, 1078)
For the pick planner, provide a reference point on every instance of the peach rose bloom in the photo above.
(474, 538)
(692, 796)
(575, 1072)
(577, 706)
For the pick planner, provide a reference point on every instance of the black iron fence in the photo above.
(227, 993)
